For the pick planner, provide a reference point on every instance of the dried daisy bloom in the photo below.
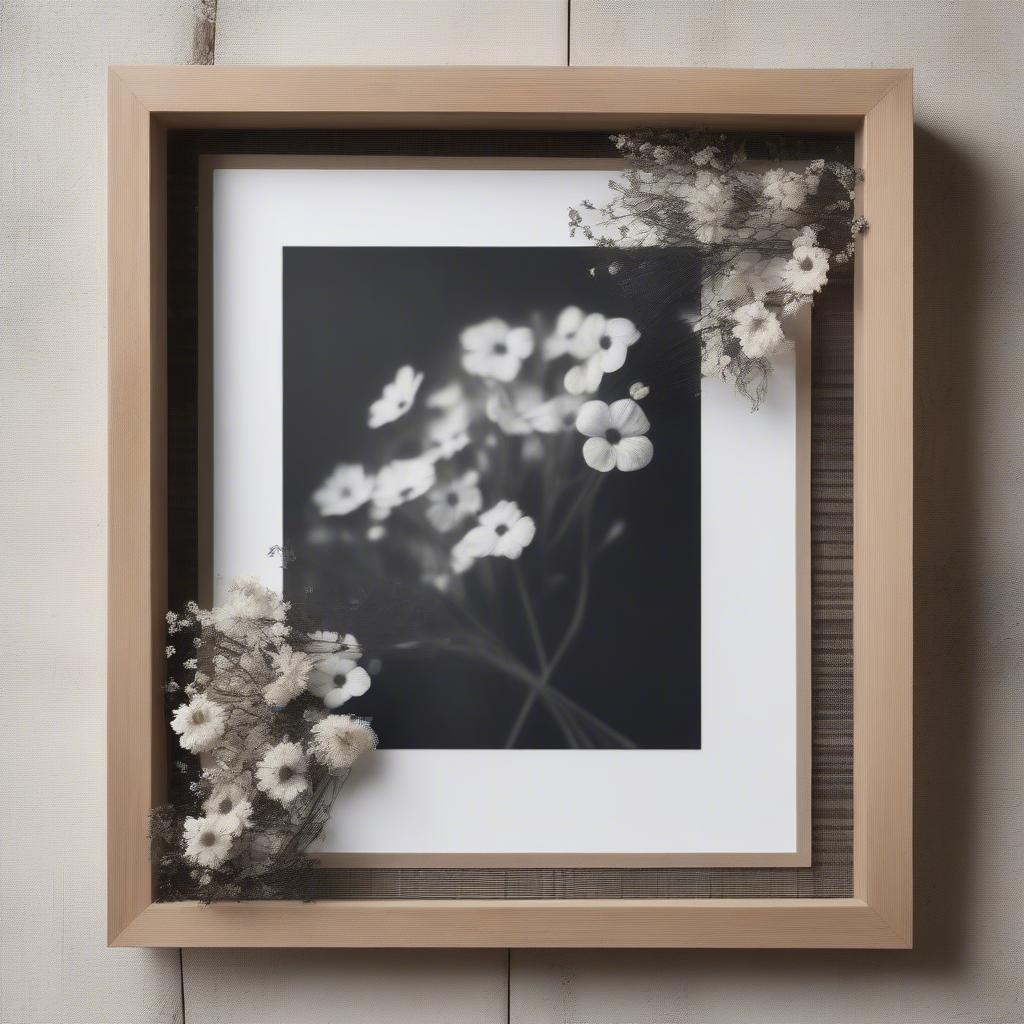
(292, 670)
(338, 741)
(281, 774)
(207, 840)
(199, 724)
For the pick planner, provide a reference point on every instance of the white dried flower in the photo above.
(230, 800)
(758, 330)
(292, 670)
(207, 840)
(807, 271)
(338, 741)
(281, 773)
(199, 724)
(784, 190)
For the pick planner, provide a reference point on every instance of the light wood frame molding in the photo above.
(144, 102)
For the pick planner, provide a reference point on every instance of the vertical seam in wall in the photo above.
(181, 979)
(508, 986)
(568, 33)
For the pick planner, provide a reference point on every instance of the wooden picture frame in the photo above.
(877, 106)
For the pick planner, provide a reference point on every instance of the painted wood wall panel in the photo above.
(54, 965)
(391, 32)
(970, 525)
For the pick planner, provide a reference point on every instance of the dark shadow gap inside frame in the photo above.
(831, 872)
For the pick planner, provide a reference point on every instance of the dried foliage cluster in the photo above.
(267, 758)
(765, 240)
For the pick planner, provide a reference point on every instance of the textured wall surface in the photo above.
(966, 967)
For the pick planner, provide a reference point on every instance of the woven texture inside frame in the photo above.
(831, 872)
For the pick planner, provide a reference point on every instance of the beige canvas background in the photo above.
(967, 965)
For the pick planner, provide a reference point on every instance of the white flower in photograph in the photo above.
(569, 322)
(615, 436)
(462, 558)
(503, 531)
(512, 408)
(454, 501)
(376, 533)
(446, 397)
(207, 840)
(356, 682)
(758, 330)
(291, 674)
(347, 488)
(807, 271)
(448, 430)
(338, 741)
(709, 202)
(585, 377)
(403, 480)
(556, 414)
(638, 391)
(336, 677)
(281, 773)
(784, 190)
(494, 350)
(397, 398)
(199, 724)
(607, 339)
(230, 800)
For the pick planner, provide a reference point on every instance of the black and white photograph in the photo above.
(481, 482)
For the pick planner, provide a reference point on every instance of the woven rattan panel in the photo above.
(831, 871)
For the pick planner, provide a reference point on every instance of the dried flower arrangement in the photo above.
(261, 706)
(765, 240)
(271, 757)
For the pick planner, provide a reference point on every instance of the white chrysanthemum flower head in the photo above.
(199, 724)
(291, 674)
(338, 741)
(249, 606)
(758, 330)
(807, 271)
(347, 488)
(230, 800)
(454, 501)
(281, 773)
(397, 399)
(709, 201)
(495, 351)
(403, 480)
(615, 436)
(784, 190)
(503, 532)
(207, 840)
